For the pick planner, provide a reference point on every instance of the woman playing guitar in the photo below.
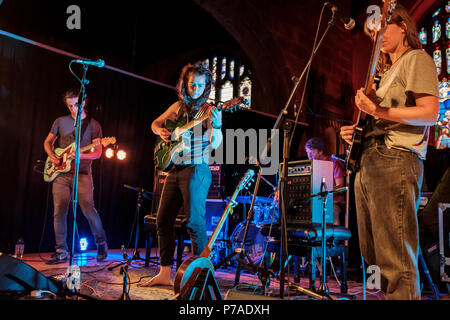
(394, 145)
(189, 178)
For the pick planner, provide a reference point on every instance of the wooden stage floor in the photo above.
(98, 282)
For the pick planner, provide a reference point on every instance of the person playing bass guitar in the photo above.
(388, 182)
(189, 179)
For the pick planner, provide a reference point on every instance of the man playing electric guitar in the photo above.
(189, 178)
(63, 134)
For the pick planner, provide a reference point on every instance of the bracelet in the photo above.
(217, 127)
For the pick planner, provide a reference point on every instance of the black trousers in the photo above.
(188, 187)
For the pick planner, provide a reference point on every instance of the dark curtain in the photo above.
(32, 82)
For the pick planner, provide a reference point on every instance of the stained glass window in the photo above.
(245, 89)
(423, 36)
(437, 57)
(447, 28)
(224, 69)
(438, 47)
(447, 58)
(214, 68)
(231, 78)
(436, 31)
(226, 91)
(232, 69)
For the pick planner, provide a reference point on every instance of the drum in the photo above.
(264, 215)
(255, 244)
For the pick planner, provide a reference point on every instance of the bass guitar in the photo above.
(167, 152)
(190, 271)
(354, 150)
(51, 170)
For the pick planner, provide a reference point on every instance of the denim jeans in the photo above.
(62, 196)
(387, 193)
(187, 187)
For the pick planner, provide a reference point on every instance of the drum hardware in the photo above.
(240, 254)
(142, 193)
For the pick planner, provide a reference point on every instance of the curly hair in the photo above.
(198, 68)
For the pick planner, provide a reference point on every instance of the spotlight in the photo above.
(109, 153)
(121, 155)
(83, 244)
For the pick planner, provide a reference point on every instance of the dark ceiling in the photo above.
(127, 34)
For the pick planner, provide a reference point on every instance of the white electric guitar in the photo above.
(51, 170)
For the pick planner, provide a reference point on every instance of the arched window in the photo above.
(434, 34)
(232, 79)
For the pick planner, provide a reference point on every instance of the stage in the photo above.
(100, 283)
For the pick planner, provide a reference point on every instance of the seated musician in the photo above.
(315, 149)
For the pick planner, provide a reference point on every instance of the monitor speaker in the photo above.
(18, 278)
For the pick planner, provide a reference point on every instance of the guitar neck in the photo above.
(92, 145)
(193, 123)
(207, 251)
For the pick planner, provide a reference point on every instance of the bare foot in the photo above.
(161, 279)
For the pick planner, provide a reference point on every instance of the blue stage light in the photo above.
(83, 244)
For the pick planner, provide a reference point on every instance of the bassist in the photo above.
(188, 181)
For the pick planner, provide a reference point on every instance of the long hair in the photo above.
(198, 68)
(401, 18)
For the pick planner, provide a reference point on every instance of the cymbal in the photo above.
(258, 200)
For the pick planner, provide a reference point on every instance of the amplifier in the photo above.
(213, 193)
(304, 179)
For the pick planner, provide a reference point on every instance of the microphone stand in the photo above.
(323, 194)
(142, 193)
(281, 122)
(77, 124)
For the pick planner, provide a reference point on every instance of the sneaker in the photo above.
(102, 251)
(58, 257)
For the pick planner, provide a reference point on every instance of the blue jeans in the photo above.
(62, 196)
(187, 186)
(387, 193)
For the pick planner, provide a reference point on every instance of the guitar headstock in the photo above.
(246, 179)
(234, 104)
(386, 12)
(107, 141)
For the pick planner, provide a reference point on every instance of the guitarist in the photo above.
(388, 182)
(63, 134)
(188, 182)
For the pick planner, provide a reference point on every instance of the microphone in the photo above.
(96, 63)
(348, 22)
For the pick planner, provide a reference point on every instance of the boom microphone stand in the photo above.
(281, 122)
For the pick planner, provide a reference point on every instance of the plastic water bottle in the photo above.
(18, 252)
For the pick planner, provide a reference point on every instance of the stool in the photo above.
(305, 241)
(180, 234)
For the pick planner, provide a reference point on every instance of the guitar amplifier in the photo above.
(304, 178)
(213, 193)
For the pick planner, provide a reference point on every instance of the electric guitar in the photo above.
(51, 170)
(191, 268)
(167, 152)
(354, 150)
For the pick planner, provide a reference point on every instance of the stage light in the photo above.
(109, 153)
(121, 155)
(83, 244)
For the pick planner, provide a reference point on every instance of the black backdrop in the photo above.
(32, 82)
